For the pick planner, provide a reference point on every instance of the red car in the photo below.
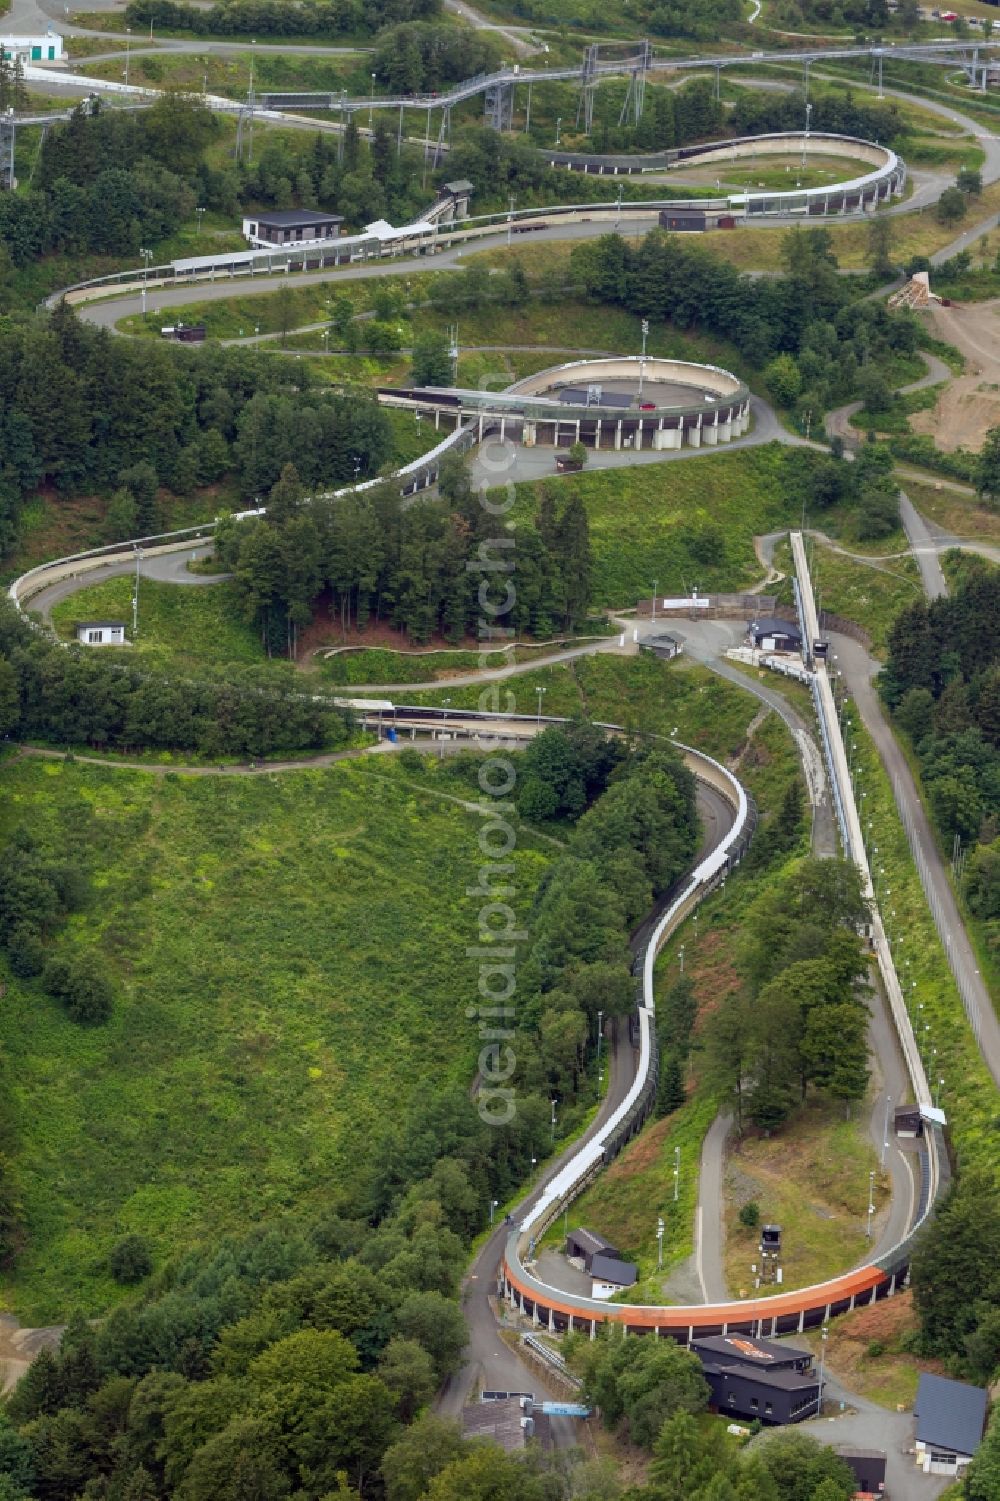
(647, 406)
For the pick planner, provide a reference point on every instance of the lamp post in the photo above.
(805, 138)
(682, 958)
(885, 1128)
(600, 1029)
(655, 583)
(540, 692)
(824, 1334)
(553, 1122)
(201, 218)
(618, 219)
(937, 1094)
(128, 51)
(642, 357)
(147, 256)
(510, 218)
(558, 127)
(493, 1205)
(659, 1243)
(871, 1203)
(446, 704)
(371, 104)
(677, 1172)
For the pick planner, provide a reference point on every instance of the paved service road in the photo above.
(167, 568)
(859, 669)
(923, 547)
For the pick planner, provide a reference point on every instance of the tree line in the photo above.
(69, 697)
(814, 342)
(77, 405)
(109, 181)
(263, 18)
(421, 55)
(799, 1020)
(374, 556)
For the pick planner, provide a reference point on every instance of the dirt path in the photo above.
(969, 405)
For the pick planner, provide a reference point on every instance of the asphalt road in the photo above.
(859, 671)
(167, 568)
(923, 547)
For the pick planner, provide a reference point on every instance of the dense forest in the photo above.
(108, 182)
(79, 406)
(265, 18)
(379, 557)
(942, 681)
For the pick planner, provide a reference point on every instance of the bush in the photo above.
(130, 1260)
(876, 1347)
(750, 1215)
(81, 987)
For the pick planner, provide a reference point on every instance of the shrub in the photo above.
(876, 1347)
(750, 1215)
(130, 1260)
(81, 987)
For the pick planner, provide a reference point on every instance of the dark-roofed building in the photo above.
(950, 1418)
(771, 634)
(611, 1274)
(585, 1245)
(295, 226)
(459, 191)
(510, 1423)
(758, 1378)
(869, 1469)
(664, 645)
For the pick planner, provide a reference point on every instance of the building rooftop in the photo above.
(591, 1242)
(612, 1269)
(296, 218)
(506, 1422)
(951, 1415)
(785, 1380)
(746, 1350)
(100, 625)
(460, 185)
(770, 625)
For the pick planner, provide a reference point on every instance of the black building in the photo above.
(771, 634)
(586, 1245)
(758, 1378)
(869, 1469)
(291, 227)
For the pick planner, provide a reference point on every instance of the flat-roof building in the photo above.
(296, 226)
(101, 632)
(510, 1422)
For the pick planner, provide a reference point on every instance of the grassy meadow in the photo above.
(288, 955)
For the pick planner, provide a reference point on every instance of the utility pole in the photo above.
(600, 1029)
(822, 1366)
(621, 190)
(128, 51)
(538, 717)
(558, 128)
(655, 583)
(135, 595)
(682, 958)
(642, 358)
(371, 103)
(885, 1128)
(147, 256)
(677, 1172)
(493, 1205)
(659, 1243)
(805, 138)
(510, 219)
(553, 1104)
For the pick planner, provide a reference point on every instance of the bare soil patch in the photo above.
(969, 405)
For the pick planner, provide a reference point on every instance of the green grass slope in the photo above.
(289, 958)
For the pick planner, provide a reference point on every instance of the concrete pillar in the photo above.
(656, 1331)
(711, 432)
(690, 1333)
(725, 430)
(480, 429)
(528, 434)
(578, 431)
(570, 1324)
(593, 1328)
(552, 1322)
(694, 434)
(521, 1300)
(851, 1307)
(534, 1315)
(503, 428)
(597, 436)
(802, 1319)
(892, 1286)
(874, 1295)
(826, 1316)
(774, 1327)
(725, 1329)
(618, 434)
(437, 419)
